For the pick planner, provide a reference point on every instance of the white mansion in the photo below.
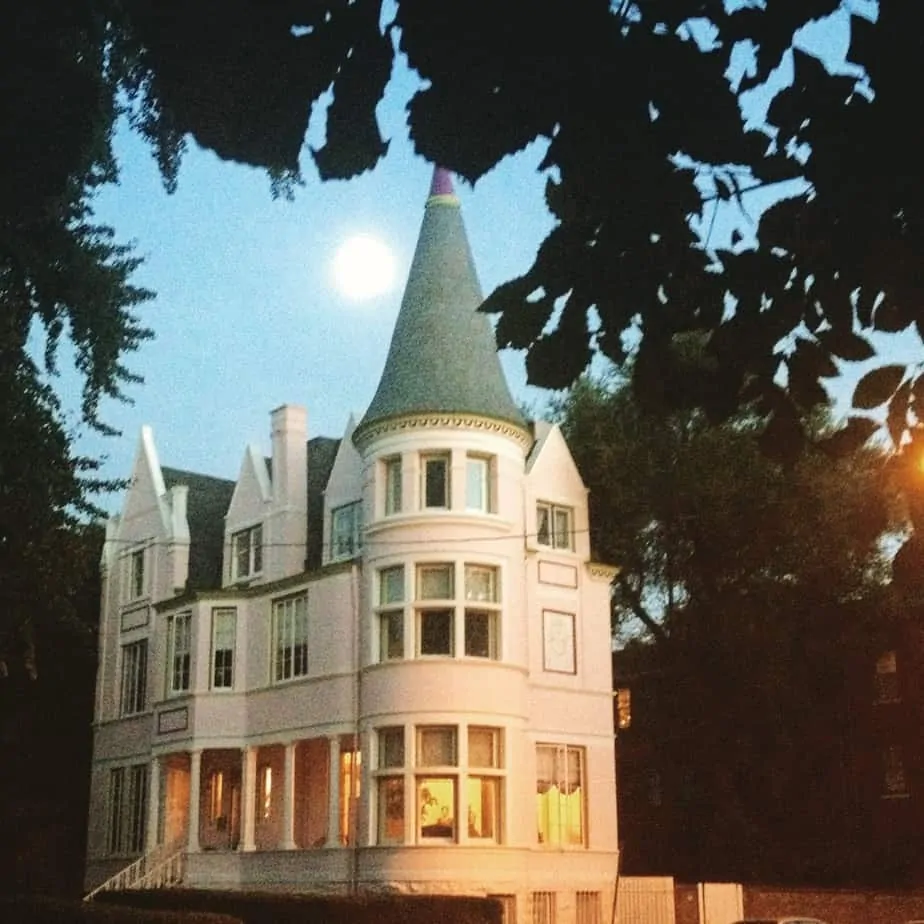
(374, 663)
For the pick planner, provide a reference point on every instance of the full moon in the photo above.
(364, 267)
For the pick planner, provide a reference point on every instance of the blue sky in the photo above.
(247, 316)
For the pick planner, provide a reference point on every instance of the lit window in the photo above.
(895, 779)
(435, 481)
(265, 794)
(560, 795)
(247, 552)
(136, 574)
(224, 631)
(350, 774)
(128, 788)
(478, 484)
(483, 788)
(391, 613)
(436, 794)
(216, 792)
(345, 531)
(887, 690)
(441, 798)
(178, 652)
(290, 638)
(623, 707)
(390, 786)
(393, 485)
(134, 677)
(554, 526)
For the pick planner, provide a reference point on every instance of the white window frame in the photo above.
(222, 674)
(133, 692)
(247, 544)
(128, 808)
(479, 478)
(444, 459)
(179, 653)
(392, 485)
(561, 766)
(290, 638)
(345, 531)
(390, 613)
(447, 784)
(558, 530)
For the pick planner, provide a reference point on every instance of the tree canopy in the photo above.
(645, 112)
(747, 594)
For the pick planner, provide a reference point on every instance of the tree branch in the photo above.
(639, 610)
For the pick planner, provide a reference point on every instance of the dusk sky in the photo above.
(247, 314)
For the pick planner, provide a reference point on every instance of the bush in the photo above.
(288, 908)
(34, 909)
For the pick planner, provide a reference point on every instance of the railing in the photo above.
(159, 869)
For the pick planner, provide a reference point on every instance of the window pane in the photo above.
(391, 585)
(434, 582)
(481, 583)
(479, 634)
(436, 747)
(436, 807)
(483, 796)
(543, 524)
(243, 554)
(476, 484)
(256, 541)
(391, 632)
(436, 632)
(436, 482)
(391, 810)
(391, 747)
(393, 485)
(562, 525)
(484, 747)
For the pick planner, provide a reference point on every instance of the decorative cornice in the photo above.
(375, 429)
(601, 572)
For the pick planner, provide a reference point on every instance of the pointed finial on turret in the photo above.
(441, 188)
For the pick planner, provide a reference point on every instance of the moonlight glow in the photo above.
(363, 267)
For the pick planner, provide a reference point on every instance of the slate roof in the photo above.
(206, 507)
(443, 354)
(208, 502)
(322, 450)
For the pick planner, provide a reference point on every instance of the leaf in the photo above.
(897, 418)
(783, 439)
(891, 317)
(848, 439)
(877, 386)
(845, 344)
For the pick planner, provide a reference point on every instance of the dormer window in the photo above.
(345, 525)
(554, 526)
(247, 552)
(435, 488)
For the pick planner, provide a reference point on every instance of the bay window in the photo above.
(435, 474)
(391, 613)
(456, 776)
(224, 632)
(393, 485)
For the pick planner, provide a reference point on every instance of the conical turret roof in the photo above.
(443, 355)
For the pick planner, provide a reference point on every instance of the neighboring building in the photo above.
(375, 663)
(860, 814)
